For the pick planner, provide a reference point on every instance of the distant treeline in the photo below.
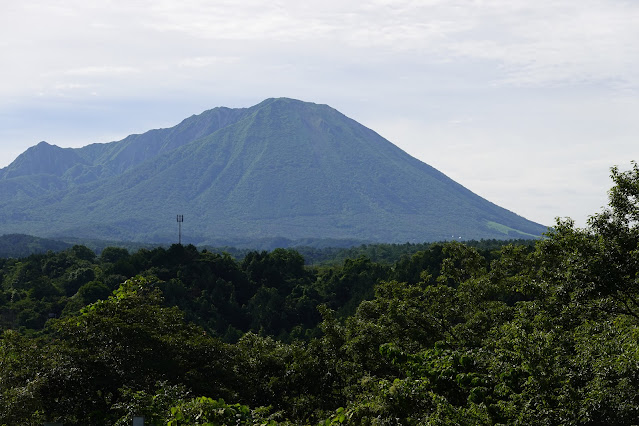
(228, 295)
(20, 245)
(314, 251)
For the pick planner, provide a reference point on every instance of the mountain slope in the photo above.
(43, 159)
(282, 168)
(17, 245)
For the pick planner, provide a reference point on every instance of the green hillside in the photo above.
(19, 245)
(283, 168)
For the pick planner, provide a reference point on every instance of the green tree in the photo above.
(129, 340)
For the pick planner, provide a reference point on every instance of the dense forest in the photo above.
(544, 333)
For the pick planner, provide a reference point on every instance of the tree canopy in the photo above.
(452, 334)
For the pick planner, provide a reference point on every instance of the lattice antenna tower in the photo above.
(180, 220)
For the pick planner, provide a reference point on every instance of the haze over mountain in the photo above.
(282, 168)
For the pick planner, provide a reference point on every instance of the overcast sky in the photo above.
(526, 103)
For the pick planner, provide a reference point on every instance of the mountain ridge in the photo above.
(281, 168)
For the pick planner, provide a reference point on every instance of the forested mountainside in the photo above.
(280, 169)
(543, 334)
(19, 245)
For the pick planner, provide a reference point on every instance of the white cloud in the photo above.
(207, 61)
(71, 86)
(104, 70)
(528, 44)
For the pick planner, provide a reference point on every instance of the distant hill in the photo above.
(280, 169)
(20, 245)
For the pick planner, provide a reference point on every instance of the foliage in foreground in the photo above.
(449, 335)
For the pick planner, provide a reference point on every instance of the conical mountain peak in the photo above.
(282, 168)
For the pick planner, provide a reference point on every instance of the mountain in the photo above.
(18, 245)
(280, 169)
